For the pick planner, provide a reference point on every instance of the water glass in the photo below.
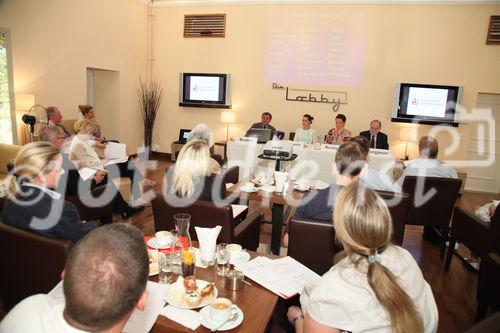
(175, 252)
(165, 268)
(222, 257)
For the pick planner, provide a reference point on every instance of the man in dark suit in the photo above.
(265, 120)
(376, 138)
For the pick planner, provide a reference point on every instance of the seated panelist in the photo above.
(265, 120)
(306, 134)
(376, 138)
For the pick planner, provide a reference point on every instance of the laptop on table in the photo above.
(183, 135)
(262, 134)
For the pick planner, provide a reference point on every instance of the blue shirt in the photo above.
(318, 205)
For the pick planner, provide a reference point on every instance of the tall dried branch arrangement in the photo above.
(150, 96)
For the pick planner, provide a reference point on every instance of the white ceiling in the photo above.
(167, 3)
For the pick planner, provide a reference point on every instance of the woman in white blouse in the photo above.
(376, 287)
(306, 134)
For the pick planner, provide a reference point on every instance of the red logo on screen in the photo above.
(414, 101)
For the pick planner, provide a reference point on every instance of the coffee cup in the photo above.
(234, 250)
(220, 309)
(248, 187)
(163, 238)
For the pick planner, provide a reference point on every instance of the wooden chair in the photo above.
(479, 237)
(488, 286)
(208, 215)
(435, 212)
(312, 242)
(31, 264)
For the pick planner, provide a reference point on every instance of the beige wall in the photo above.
(405, 43)
(54, 41)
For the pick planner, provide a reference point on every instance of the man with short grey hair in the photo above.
(376, 138)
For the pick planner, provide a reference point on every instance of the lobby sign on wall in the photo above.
(336, 98)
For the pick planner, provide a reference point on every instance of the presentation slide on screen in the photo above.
(427, 102)
(203, 88)
(305, 49)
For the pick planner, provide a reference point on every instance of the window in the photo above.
(6, 84)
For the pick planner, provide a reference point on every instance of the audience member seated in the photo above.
(89, 114)
(71, 182)
(427, 165)
(32, 204)
(203, 132)
(83, 154)
(105, 279)
(339, 134)
(348, 167)
(265, 119)
(372, 178)
(306, 134)
(191, 177)
(54, 118)
(376, 287)
(376, 138)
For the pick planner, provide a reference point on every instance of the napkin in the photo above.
(188, 318)
(207, 238)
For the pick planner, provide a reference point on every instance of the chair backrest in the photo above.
(203, 214)
(488, 286)
(437, 210)
(399, 205)
(291, 136)
(31, 263)
(99, 212)
(280, 135)
(312, 243)
(488, 325)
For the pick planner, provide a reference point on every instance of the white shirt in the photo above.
(427, 167)
(305, 136)
(54, 195)
(342, 298)
(83, 154)
(37, 314)
(378, 181)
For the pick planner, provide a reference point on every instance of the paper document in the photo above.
(238, 209)
(115, 150)
(86, 173)
(116, 161)
(139, 321)
(285, 276)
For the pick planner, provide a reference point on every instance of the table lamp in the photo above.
(227, 117)
(407, 134)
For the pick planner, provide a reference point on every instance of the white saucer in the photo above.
(210, 323)
(268, 188)
(248, 191)
(152, 243)
(296, 187)
(244, 257)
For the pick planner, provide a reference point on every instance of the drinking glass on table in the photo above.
(165, 268)
(222, 258)
(175, 252)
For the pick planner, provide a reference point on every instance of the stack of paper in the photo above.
(285, 277)
(115, 151)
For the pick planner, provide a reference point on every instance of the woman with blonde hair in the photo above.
(376, 287)
(203, 132)
(32, 204)
(192, 176)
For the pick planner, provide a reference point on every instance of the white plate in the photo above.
(296, 187)
(268, 188)
(153, 262)
(248, 191)
(176, 292)
(152, 243)
(244, 257)
(210, 323)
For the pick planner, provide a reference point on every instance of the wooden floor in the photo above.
(455, 291)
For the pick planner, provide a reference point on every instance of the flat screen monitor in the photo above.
(204, 90)
(426, 104)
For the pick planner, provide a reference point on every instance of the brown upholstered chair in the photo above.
(103, 213)
(488, 286)
(208, 215)
(435, 212)
(31, 263)
(231, 175)
(312, 242)
(479, 237)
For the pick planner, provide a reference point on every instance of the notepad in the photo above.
(115, 150)
(86, 173)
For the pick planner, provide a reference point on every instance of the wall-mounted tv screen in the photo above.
(426, 104)
(204, 90)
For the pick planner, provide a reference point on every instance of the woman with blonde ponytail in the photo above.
(376, 287)
(32, 204)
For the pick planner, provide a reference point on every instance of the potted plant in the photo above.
(150, 96)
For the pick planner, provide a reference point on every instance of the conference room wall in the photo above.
(405, 43)
(53, 43)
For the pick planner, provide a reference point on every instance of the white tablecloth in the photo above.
(310, 163)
